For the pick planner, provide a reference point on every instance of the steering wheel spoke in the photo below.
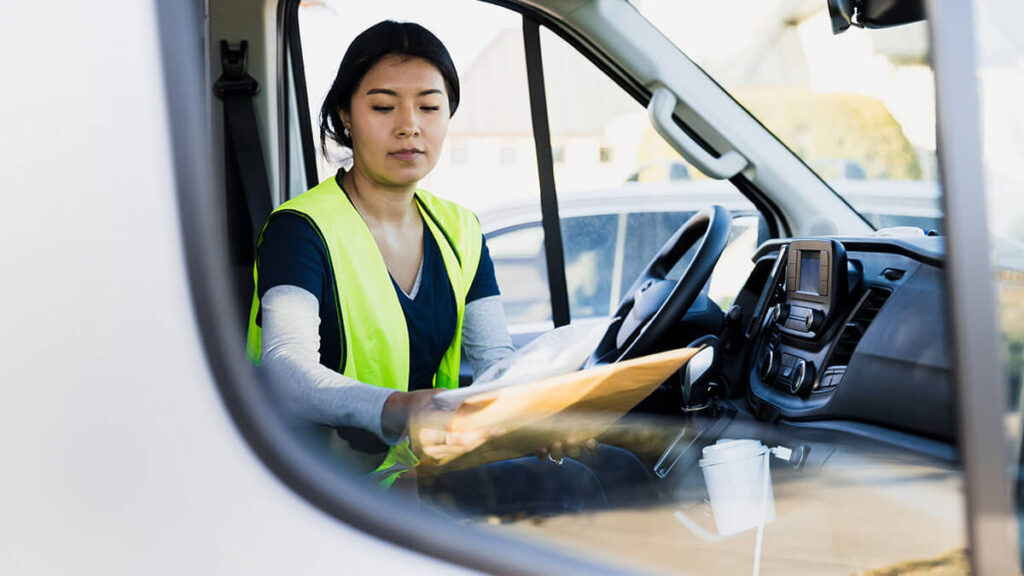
(654, 305)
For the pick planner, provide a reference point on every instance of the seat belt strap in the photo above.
(243, 149)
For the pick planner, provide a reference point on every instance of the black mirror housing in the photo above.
(873, 13)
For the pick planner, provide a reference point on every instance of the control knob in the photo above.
(781, 313)
(803, 377)
(769, 364)
(814, 321)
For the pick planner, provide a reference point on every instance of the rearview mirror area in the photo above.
(873, 13)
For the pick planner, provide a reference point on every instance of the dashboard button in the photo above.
(832, 377)
(893, 274)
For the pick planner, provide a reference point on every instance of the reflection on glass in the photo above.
(846, 463)
(858, 108)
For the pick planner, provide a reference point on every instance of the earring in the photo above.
(347, 134)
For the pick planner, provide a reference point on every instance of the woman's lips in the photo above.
(407, 154)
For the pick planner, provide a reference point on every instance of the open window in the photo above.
(846, 458)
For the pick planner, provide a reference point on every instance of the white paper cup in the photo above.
(736, 478)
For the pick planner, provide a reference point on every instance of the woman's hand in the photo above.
(401, 406)
(558, 449)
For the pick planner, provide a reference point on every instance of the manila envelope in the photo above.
(517, 420)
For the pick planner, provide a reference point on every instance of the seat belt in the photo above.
(245, 170)
(247, 190)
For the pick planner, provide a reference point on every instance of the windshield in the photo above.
(858, 108)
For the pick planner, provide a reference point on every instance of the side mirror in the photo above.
(873, 13)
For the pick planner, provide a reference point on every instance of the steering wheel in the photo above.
(654, 305)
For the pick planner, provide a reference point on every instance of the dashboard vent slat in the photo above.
(854, 330)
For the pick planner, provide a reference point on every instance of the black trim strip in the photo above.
(284, 171)
(294, 40)
(546, 173)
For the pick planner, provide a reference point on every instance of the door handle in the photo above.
(660, 109)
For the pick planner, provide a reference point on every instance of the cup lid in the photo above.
(727, 450)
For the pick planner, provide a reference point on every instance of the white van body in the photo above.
(119, 456)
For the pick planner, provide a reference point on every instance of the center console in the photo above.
(848, 332)
(798, 307)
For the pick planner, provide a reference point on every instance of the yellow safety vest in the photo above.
(374, 335)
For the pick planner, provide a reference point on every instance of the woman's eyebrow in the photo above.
(388, 92)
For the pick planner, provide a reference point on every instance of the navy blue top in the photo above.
(292, 254)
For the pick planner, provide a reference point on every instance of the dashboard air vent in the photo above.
(851, 334)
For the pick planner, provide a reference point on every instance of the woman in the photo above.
(368, 289)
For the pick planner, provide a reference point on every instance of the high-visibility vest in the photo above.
(374, 335)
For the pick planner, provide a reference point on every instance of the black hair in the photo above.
(383, 39)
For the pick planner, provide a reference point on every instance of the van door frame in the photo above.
(977, 369)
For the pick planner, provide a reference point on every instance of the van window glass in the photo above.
(873, 440)
(590, 250)
(591, 246)
(521, 270)
(858, 108)
(614, 163)
(803, 453)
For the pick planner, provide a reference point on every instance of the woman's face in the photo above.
(398, 120)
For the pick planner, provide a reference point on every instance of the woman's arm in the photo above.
(485, 337)
(291, 360)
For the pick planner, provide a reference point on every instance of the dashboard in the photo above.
(846, 329)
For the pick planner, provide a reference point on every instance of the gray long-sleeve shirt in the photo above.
(314, 392)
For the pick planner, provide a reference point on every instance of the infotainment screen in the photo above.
(815, 282)
(810, 268)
